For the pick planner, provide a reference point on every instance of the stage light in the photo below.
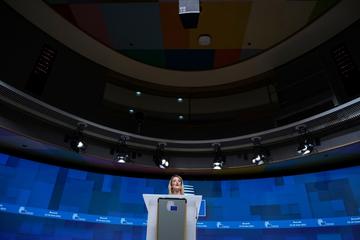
(260, 153)
(121, 157)
(164, 163)
(76, 139)
(121, 151)
(159, 156)
(306, 141)
(305, 147)
(219, 157)
(258, 159)
(77, 145)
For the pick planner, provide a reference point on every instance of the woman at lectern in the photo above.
(176, 185)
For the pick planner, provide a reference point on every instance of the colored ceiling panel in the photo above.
(273, 21)
(90, 19)
(225, 57)
(174, 35)
(146, 30)
(133, 25)
(225, 22)
(181, 59)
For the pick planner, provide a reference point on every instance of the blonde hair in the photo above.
(182, 185)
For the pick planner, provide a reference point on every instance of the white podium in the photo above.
(191, 214)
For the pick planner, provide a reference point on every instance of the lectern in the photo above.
(172, 217)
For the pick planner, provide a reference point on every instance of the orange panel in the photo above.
(174, 35)
(224, 21)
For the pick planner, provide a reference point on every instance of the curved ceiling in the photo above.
(325, 27)
(152, 32)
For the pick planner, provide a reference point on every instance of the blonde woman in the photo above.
(176, 185)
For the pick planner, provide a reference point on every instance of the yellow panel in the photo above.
(224, 21)
(272, 21)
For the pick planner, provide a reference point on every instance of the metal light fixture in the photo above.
(159, 156)
(219, 157)
(76, 140)
(260, 153)
(306, 141)
(121, 151)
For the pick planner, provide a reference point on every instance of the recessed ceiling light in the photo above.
(138, 93)
(204, 40)
(180, 99)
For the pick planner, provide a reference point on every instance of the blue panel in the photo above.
(187, 59)
(144, 34)
(3, 159)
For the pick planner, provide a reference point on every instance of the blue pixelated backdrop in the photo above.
(42, 201)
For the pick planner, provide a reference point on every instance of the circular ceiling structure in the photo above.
(278, 51)
(152, 32)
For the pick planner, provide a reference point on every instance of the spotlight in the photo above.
(219, 158)
(121, 151)
(122, 157)
(306, 141)
(260, 153)
(159, 156)
(305, 147)
(77, 143)
(258, 159)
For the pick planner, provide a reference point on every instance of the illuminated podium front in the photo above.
(172, 217)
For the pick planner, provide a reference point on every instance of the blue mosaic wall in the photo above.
(40, 201)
